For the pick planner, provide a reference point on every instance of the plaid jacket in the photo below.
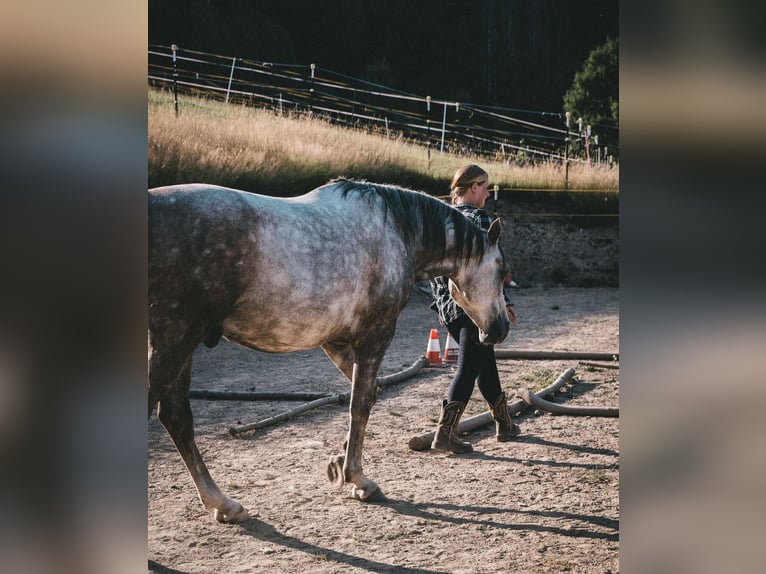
(444, 304)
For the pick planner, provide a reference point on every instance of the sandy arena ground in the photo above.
(546, 502)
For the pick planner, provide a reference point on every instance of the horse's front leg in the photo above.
(348, 469)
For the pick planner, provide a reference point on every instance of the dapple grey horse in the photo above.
(332, 268)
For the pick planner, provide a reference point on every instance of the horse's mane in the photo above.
(420, 216)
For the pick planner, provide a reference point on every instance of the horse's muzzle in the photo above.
(498, 331)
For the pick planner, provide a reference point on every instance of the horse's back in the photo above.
(263, 267)
(216, 253)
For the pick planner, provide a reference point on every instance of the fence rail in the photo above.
(443, 126)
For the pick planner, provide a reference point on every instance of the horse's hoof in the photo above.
(335, 470)
(371, 493)
(237, 513)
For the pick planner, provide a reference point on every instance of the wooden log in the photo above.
(521, 354)
(340, 398)
(599, 365)
(423, 441)
(254, 396)
(410, 371)
(575, 410)
(343, 397)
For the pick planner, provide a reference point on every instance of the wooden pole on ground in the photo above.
(583, 411)
(410, 371)
(340, 398)
(254, 396)
(520, 354)
(599, 365)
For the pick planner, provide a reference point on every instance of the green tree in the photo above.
(594, 94)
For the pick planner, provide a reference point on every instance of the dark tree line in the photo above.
(513, 53)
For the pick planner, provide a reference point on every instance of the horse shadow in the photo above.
(267, 533)
(156, 568)
(553, 463)
(438, 512)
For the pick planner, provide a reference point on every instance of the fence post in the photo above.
(231, 76)
(428, 129)
(444, 125)
(311, 90)
(598, 149)
(456, 139)
(566, 154)
(175, 78)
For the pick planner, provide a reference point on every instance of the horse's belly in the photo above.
(281, 336)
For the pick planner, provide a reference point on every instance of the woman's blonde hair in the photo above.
(464, 178)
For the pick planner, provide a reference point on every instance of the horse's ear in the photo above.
(494, 232)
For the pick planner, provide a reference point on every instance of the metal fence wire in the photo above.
(443, 126)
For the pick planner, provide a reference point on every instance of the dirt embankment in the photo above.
(556, 239)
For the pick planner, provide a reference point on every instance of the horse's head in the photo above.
(478, 289)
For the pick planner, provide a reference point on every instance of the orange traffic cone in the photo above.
(433, 351)
(450, 350)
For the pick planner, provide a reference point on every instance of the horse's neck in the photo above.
(429, 264)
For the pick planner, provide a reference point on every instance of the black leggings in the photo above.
(475, 362)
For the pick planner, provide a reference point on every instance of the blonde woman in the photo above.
(476, 362)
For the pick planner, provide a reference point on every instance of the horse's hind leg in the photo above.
(176, 416)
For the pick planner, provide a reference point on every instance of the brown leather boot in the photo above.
(506, 429)
(446, 431)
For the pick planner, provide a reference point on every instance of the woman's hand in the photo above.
(511, 313)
